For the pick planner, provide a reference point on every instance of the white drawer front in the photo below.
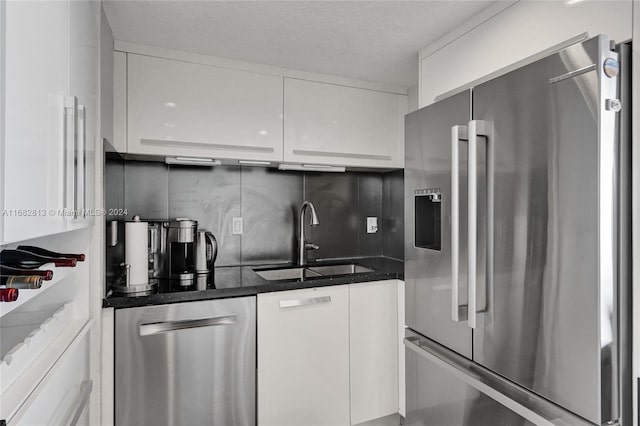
(62, 397)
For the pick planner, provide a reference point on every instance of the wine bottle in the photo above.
(8, 294)
(44, 252)
(24, 259)
(21, 281)
(46, 274)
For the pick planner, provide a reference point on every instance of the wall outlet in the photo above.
(236, 227)
(372, 225)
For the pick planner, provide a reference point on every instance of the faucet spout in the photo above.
(303, 246)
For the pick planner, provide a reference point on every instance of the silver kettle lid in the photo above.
(182, 222)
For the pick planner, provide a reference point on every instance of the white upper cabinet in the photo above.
(84, 85)
(50, 113)
(36, 83)
(338, 125)
(187, 109)
(193, 106)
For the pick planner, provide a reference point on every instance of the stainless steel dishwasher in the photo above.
(186, 364)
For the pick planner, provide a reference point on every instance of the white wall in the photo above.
(523, 29)
(413, 98)
(106, 79)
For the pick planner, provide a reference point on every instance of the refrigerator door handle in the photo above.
(458, 133)
(478, 128)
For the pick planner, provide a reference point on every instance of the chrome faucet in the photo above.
(303, 246)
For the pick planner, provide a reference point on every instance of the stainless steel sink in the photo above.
(287, 274)
(351, 268)
(311, 271)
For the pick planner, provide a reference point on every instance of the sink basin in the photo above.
(351, 268)
(311, 271)
(287, 274)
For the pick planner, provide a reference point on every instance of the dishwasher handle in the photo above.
(150, 329)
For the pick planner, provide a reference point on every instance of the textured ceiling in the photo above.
(370, 40)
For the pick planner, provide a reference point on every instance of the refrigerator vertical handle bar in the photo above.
(476, 128)
(458, 133)
(472, 225)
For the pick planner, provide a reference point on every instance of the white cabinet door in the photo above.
(63, 395)
(303, 357)
(84, 30)
(330, 124)
(373, 350)
(36, 82)
(187, 109)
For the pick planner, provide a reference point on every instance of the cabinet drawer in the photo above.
(63, 395)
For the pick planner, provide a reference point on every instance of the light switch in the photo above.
(236, 228)
(372, 225)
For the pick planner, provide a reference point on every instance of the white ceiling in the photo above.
(369, 40)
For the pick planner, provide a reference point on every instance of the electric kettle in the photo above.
(206, 254)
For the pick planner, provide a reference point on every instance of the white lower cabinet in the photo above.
(303, 357)
(373, 354)
(328, 355)
(62, 398)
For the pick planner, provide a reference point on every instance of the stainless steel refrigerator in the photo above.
(516, 247)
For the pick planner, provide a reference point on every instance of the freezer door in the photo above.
(431, 302)
(446, 389)
(549, 324)
(436, 398)
(186, 364)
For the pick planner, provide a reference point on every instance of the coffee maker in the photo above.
(179, 253)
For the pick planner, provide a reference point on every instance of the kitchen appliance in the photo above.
(186, 364)
(206, 254)
(172, 250)
(516, 195)
(181, 249)
(165, 250)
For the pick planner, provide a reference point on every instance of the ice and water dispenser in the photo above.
(428, 214)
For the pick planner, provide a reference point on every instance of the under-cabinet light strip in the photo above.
(254, 163)
(192, 161)
(312, 168)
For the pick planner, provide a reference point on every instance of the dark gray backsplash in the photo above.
(114, 203)
(269, 202)
(393, 214)
(210, 195)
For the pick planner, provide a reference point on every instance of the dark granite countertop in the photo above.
(235, 281)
